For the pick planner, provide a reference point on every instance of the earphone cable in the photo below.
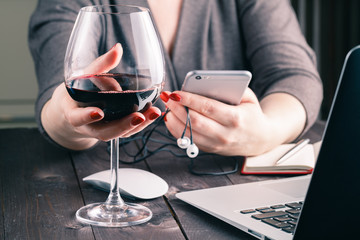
(144, 152)
(188, 123)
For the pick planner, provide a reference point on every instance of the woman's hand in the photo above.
(250, 128)
(80, 128)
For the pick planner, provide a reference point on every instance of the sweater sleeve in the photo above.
(49, 30)
(279, 55)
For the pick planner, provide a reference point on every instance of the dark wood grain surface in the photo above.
(41, 188)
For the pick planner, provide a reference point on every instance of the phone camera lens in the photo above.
(198, 77)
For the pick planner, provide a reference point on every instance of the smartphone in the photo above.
(226, 86)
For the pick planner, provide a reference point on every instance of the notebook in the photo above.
(329, 198)
(300, 162)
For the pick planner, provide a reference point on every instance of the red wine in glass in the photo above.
(116, 94)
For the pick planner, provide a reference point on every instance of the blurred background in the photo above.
(18, 83)
(331, 27)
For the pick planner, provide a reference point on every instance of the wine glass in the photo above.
(131, 81)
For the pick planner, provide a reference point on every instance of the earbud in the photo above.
(192, 151)
(183, 142)
(187, 143)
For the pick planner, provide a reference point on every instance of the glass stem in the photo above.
(114, 197)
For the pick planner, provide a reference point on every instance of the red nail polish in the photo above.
(164, 116)
(164, 96)
(154, 116)
(175, 97)
(95, 115)
(137, 121)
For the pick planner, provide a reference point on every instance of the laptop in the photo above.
(324, 205)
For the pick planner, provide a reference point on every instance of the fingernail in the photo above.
(95, 115)
(176, 97)
(137, 121)
(164, 116)
(154, 116)
(164, 96)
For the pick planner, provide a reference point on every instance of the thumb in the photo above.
(249, 97)
(106, 62)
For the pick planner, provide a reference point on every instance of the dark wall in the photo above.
(332, 28)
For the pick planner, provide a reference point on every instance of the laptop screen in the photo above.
(331, 207)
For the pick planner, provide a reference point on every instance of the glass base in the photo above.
(106, 215)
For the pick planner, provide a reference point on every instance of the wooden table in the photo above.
(41, 188)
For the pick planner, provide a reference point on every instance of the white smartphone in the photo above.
(226, 86)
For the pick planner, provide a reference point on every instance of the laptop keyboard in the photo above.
(281, 216)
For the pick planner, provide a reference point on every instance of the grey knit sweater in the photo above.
(262, 36)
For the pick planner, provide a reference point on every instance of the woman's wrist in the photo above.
(287, 117)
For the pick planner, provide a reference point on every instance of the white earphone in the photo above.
(183, 142)
(187, 143)
(192, 151)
